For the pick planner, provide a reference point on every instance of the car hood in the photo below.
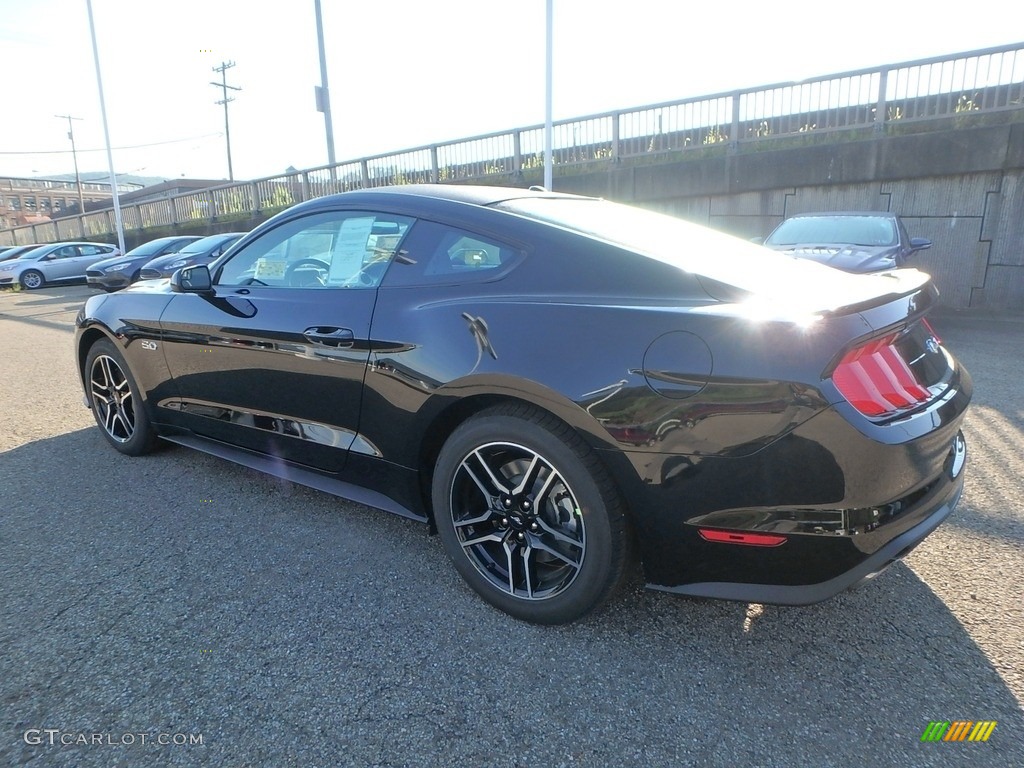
(849, 258)
(103, 264)
(162, 261)
(135, 261)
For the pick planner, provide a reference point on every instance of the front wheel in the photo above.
(115, 400)
(528, 515)
(32, 279)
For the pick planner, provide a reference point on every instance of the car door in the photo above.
(59, 264)
(273, 359)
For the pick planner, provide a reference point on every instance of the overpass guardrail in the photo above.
(960, 87)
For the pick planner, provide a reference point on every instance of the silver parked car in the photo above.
(53, 263)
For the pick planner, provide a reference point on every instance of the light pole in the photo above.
(74, 157)
(547, 99)
(223, 85)
(106, 134)
(323, 95)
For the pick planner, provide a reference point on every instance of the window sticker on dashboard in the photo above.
(269, 268)
(350, 249)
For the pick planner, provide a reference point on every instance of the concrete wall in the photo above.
(963, 189)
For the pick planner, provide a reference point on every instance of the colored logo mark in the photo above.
(958, 730)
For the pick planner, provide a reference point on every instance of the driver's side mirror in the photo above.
(757, 240)
(919, 243)
(192, 280)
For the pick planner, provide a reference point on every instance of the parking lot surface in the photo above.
(180, 610)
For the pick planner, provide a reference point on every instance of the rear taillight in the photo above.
(876, 380)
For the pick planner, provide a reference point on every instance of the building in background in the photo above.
(31, 201)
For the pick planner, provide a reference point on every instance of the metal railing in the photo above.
(956, 87)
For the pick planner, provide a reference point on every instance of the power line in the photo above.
(104, 149)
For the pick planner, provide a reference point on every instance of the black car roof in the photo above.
(461, 193)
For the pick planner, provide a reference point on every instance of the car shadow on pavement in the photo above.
(49, 301)
(181, 593)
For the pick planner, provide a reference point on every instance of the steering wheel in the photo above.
(297, 277)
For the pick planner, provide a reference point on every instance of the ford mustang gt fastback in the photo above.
(545, 379)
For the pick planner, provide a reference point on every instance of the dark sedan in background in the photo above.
(545, 378)
(10, 252)
(201, 251)
(854, 241)
(114, 274)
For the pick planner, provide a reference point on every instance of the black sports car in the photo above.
(854, 241)
(546, 378)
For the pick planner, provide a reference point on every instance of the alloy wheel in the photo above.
(112, 398)
(517, 520)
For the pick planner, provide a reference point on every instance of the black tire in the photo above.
(31, 279)
(115, 401)
(528, 515)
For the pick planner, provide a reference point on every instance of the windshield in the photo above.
(202, 246)
(147, 249)
(851, 230)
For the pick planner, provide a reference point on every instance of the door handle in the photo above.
(329, 336)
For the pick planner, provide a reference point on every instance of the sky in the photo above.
(406, 73)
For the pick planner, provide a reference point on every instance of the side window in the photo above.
(66, 252)
(336, 249)
(438, 253)
(90, 250)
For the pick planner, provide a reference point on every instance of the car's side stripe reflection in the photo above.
(314, 432)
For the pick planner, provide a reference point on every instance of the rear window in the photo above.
(769, 275)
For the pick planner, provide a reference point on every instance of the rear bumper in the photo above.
(934, 509)
(842, 501)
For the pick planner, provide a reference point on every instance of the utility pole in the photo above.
(223, 85)
(74, 156)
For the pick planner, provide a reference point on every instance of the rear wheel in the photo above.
(32, 279)
(528, 515)
(116, 404)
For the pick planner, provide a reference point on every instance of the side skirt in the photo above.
(294, 473)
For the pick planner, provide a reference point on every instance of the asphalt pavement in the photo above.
(180, 610)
